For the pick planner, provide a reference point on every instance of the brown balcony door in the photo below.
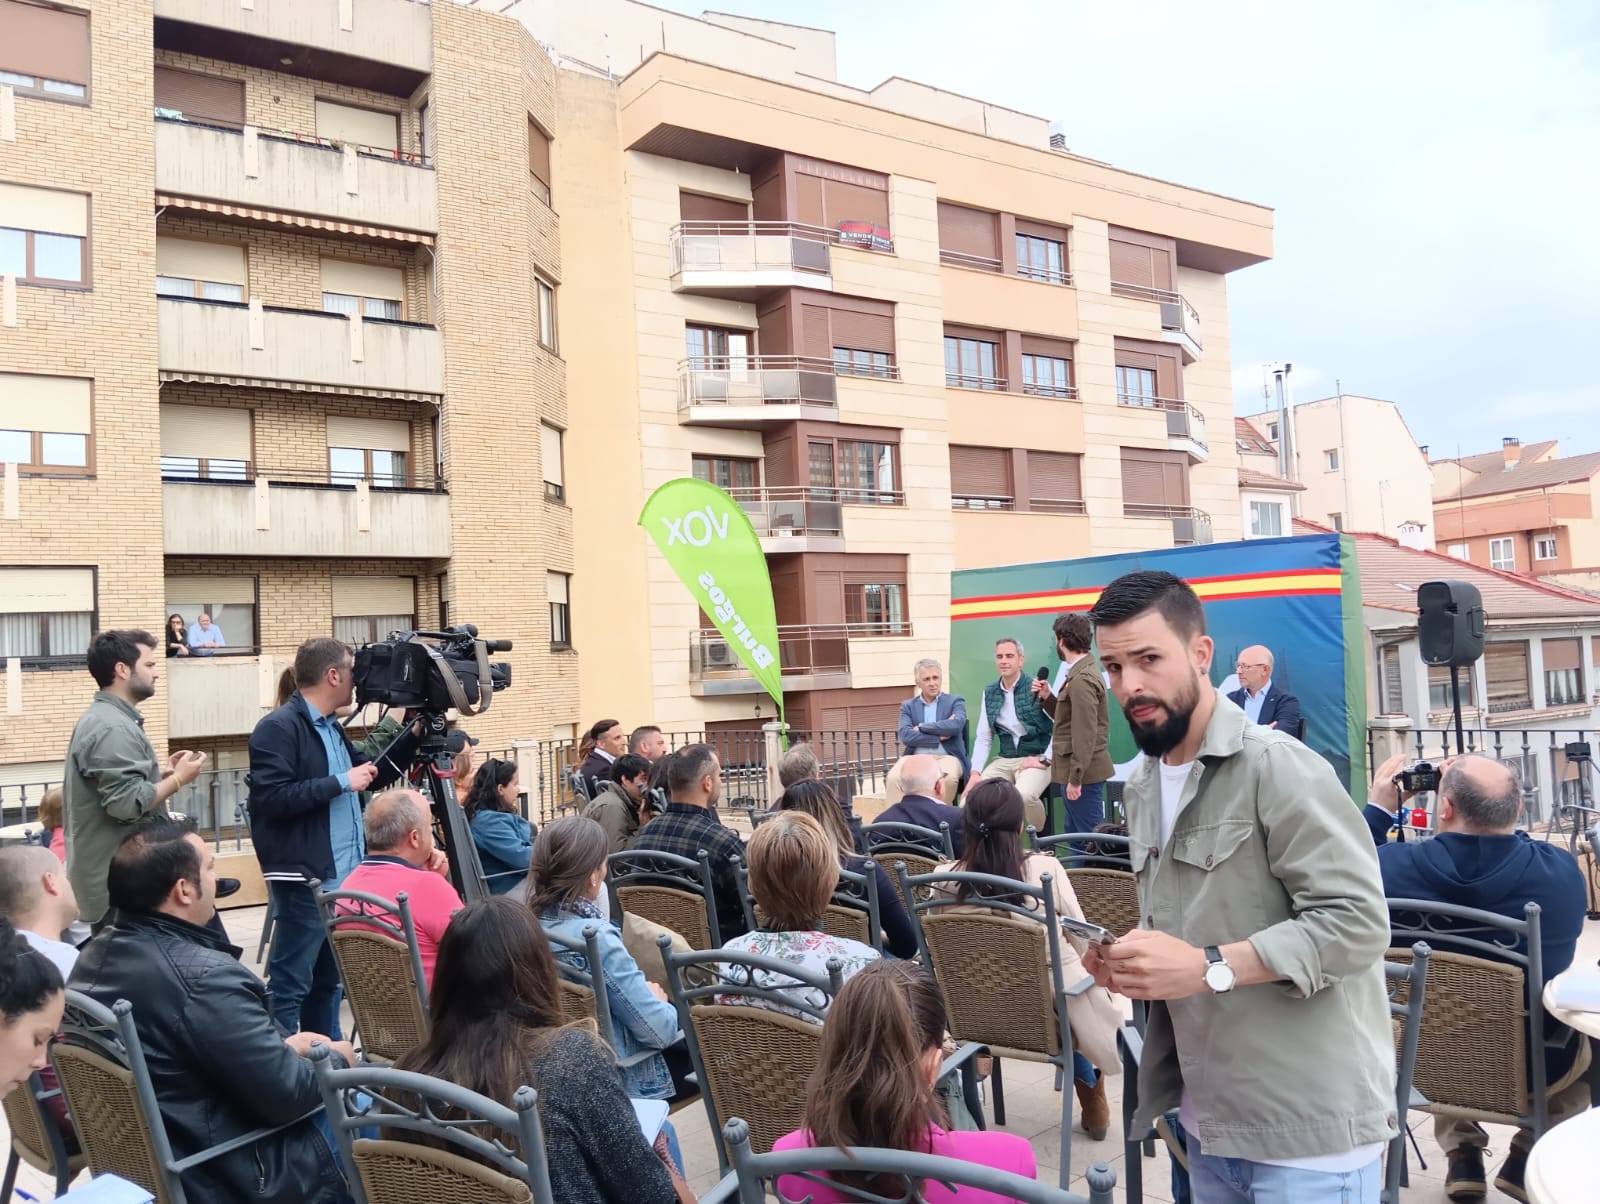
(697, 207)
(207, 98)
(1155, 478)
(1141, 260)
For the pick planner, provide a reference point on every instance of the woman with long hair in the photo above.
(794, 868)
(564, 884)
(873, 1087)
(463, 764)
(177, 636)
(504, 838)
(53, 822)
(992, 818)
(817, 799)
(31, 1001)
(496, 1025)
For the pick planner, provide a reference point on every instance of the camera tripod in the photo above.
(431, 772)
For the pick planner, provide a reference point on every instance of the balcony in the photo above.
(224, 342)
(1186, 426)
(813, 657)
(210, 696)
(1180, 324)
(1189, 526)
(756, 390)
(1040, 273)
(970, 380)
(395, 33)
(803, 519)
(294, 174)
(279, 515)
(744, 258)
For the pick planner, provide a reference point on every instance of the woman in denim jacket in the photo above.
(503, 837)
(566, 877)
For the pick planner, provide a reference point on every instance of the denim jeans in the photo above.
(1238, 1181)
(303, 981)
(1084, 1070)
(325, 1127)
(1087, 810)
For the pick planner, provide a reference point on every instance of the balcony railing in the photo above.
(1062, 392)
(756, 380)
(968, 380)
(1188, 524)
(1057, 505)
(751, 247)
(1033, 271)
(1183, 420)
(1177, 314)
(960, 259)
(807, 510)
(806, 650)
(982, 501)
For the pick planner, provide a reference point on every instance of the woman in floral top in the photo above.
(793, 874)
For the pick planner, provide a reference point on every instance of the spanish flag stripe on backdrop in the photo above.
(1210, 589)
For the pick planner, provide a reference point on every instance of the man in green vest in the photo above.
(1012, 721)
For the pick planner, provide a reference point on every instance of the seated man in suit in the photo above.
(923, 801)
(934, 723)
(1261, 701)
(1478, 859)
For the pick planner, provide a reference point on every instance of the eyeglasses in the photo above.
(1241, 667)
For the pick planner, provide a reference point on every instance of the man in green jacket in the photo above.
(1012, 724)
(112, 775)
(1263, 932)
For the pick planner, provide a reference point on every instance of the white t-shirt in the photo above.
(62, 954)
(1173, 778)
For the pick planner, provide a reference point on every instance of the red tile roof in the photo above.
(1249, 478)
(1526, 475)
(1245, 432)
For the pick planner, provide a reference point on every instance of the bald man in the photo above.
(1479, 859)
(1261, 701)
(36, 896)
(402, 858)
(924, 802)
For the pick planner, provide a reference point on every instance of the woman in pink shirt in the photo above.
(882, 1046)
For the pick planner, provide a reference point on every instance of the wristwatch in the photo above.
(1219, 974)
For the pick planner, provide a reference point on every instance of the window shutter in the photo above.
(980, 471)
(205, 432)
(373, 596)
(550, 439)
(845, 202)
(1594, 648)
(875, 717)
(363, 280)
(1042, 230)
(46, 403)
(1175, 481)
(1130, 264)
(968, 231)
(538, 153)
(200, 97)
(808, 201)
(1142, 483)
(1389, 669)
(50, 43)
(370, 434)
(1033, 344)
(362, 127)
(862, 332)
(44, 591)
(1562, 654)
(772, 332)
(46, 210)
(194, 260)
(556, 584)
(816, 340)
(697, 207)
(1054, 477)
(779, 462)
(207, 590)
(1506, 669)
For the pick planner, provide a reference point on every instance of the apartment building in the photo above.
(1522, 509)
(906, 328)
(247, 366)
(1266, 496)
(1360, 467)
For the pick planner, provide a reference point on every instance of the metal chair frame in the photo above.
(402, 928)
(857, 892)
(595, 983)
(33, 1094)
(642, 867)
(909, 838)
(1412, 979)
(383, 1105)
(241, 813)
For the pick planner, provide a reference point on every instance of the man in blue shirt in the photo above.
(205, 635)
(305, 817)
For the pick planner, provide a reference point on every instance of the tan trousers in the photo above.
(1564, 1099)
(1032, 783)
(948, 766)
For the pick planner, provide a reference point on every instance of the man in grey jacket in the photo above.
(112, 775)
(1263, 933)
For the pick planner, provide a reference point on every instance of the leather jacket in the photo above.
(217, 1060)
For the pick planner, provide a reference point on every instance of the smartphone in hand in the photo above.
(1089, 932)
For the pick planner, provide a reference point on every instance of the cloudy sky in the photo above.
(1434, 166)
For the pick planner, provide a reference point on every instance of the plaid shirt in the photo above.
(684, 830)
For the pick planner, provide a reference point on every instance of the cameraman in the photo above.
(305, 817)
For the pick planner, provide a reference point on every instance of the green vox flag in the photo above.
(709, 542)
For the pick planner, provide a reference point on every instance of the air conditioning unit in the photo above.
(719, 654)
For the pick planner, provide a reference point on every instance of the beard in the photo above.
(139, 690)
(1161, 737)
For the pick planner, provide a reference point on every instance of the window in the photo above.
(849, 361)
(1390, 685)
(205, 443)
(365, 129)
(1461, 551)
(1136, 386)
(1047, 376)
(1505, 670)
(193, 96)
(45, 426)
(1266, 519)
(1272, 430)
(1439, 688)
(203, 270)
(713, 347)
(1155, 484)
(539, 160)
(727, 473)
(367, 609)
(368, 449)
(547, 312)
(1331, 459)
(46, 616)
(551, 439)
(971, 363)
(1336, 521)
(1041, 259)
(46, 50)
(866, 472)
(558, 585)
(229, 601)
(356, 630)
(1055, 482)
(368, 289)
(1544, 548)
(423, 114)
(980, 478)
(1503, 554)
(43, 233)
(879, 609)
(1563, 672)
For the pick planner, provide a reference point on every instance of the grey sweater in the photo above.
(111, 777)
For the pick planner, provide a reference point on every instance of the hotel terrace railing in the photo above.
(1183, 420)
(1176, 313)
(807, 510)
(1189, 525)
(756, 380)
(985, 263)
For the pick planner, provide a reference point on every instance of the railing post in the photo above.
(525, 752)
(773, 734)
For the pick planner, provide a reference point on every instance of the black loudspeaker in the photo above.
(1450, 622)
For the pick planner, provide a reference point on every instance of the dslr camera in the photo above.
(1423, 777)
(432, 671)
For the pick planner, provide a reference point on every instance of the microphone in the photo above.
(1043, 674)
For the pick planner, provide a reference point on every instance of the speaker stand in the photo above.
(1455, 702)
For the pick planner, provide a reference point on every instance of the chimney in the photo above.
(1511, 450)
(1424, 450)
(1058, 136)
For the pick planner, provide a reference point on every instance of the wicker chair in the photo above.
(922, 849)
(750, 1060)
(1109, 897)
(101, 1066)
(36, 1139)
(374, 941)
(853, 915)
(998, 965)
(754, 1175)
(673, 891)
(464, 1161)
(1407, 983)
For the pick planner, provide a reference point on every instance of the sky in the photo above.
(1434, 166)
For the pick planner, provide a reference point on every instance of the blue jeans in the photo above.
(1237, 1181)
(303, 983)
(325, 1127)
(1083, 1070)
(1086, 811)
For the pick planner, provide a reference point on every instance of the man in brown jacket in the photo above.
(1078, 756)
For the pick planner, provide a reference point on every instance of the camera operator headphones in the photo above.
(452, 683)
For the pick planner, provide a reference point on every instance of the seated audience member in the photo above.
(504, 838)
(602, 744)
(799, 764)
(37, 900)
(923, 801)
(1098, 855)
(817, 800)
(51, 820)
(219, 1064)
(1478, 859)
(31, 1001)
(993, 814)
(463, 762)
(621, 807)
(874, 1087)
(690, 823)
(402, 859)
(568, 874)
(496, 1025)
(794, 869)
